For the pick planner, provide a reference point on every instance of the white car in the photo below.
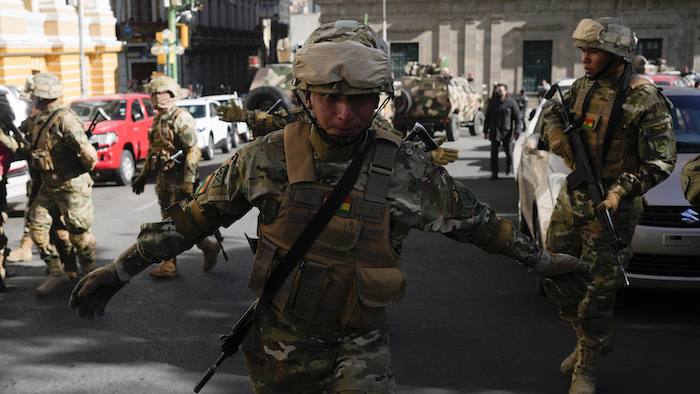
(18, 175)
(244, 132)
(211, 132)
(666, 243)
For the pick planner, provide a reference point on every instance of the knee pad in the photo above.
(82, 240)
(40, 237)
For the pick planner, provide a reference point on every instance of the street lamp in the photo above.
(169, 46)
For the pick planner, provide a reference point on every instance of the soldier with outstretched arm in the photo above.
(331, 307)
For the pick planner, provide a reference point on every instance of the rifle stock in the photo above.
(584, 174)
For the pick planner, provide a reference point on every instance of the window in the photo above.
(650, 48)
(136, 112)
(537, 64)
(402, 53)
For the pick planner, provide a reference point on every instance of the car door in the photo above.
(142, 119)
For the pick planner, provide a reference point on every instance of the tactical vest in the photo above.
(57, 164)
(622, 154)
(351, 273)
(163, 142)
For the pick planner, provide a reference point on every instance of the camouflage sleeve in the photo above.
(656, 144)
(264, 122)
(552, 119)
(427, 198)
(9, 142)
(72, 130)
(186, 132)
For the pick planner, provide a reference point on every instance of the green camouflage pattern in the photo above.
(279, 75)
(574, 229)
(421, 196)
(291, 351)
(441, 96)
(72, 197)
(341, 31)
(163, 84)
(646, 123)
(690, 181)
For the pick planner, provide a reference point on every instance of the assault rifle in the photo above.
(7, 122)
(584, 174)
(290, 118)
(420, 131)
(100, 112)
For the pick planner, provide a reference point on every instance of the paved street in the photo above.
(470, 322)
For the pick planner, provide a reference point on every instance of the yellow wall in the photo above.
(45, 38)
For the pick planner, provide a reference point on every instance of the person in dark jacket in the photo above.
(502, 120)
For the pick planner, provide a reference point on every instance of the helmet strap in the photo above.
(605, 69)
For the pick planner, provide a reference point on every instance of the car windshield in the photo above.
(686, 122)
(196, 110)
(86, 110)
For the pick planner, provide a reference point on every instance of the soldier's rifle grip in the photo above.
(220, 240)
(420, 131)
(5, 119)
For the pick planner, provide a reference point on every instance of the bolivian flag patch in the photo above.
(344, 210)
(587, 125)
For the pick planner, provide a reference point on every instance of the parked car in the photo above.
(243, 132)
(18, 174)
(211, 131)
(122, 137)
(666, 79)
(666, 243)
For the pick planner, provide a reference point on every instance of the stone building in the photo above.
(516, 41)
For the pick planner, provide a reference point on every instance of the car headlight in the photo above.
(104, 140)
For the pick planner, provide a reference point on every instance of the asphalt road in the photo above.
(470, 322)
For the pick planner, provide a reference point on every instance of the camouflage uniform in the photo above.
(62, 156)
(642, 156)
(326, 329)
(690, 181)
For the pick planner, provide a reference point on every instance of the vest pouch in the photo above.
(373, 289)
(41, 159)
(266, 259)
(309, 291)
(341, 234)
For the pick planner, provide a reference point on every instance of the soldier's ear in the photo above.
(307, 98)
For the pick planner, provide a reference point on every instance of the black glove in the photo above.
(93, 292)
(139, 183)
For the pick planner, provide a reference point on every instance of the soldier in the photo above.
(264, 123)
(62, 156)
(627, 129)
(334, 312)
(690, 181)
(173, 130)
(60, 236)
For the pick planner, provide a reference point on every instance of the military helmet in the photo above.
(47, 86)
(609, 34)
(162, 84)
(28, 90)
(344, 57)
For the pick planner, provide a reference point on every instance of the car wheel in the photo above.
(477, 126)
(453, 128)
(402, 103)
(264, 97)
(248, 134)
(229, 141)
(208, 151)
(127, 168)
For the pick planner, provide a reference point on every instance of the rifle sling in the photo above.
(314, 228)
(47, 126)
(616, 110)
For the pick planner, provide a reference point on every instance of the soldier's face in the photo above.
(594, 60)
(345, 116)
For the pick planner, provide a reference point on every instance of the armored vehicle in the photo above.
(270, 84)
(439, 102)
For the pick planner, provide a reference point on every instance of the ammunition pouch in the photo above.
(41, 160)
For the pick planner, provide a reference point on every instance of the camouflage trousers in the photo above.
(73, 200)
(575, 230)
(286, 358)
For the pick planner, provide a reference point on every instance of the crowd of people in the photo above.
(338, 191)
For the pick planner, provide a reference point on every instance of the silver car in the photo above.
(666, 244)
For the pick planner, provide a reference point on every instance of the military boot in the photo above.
(210, 249)
(567, 366)
(56, 278)
(24, 252)
(166, 269)
(583, 378)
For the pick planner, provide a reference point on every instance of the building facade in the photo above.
(519, 42)
(43, 35)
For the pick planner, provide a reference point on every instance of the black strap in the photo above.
(614, 119)
(315, 227)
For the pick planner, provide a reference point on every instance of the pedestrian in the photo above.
(542, 89)
(628, 134)
(173, 130)
(523, 101)
(62, 156)
(263, 123)
(502, 121)
(326, 330)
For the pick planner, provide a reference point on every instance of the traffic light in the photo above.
(184, 34)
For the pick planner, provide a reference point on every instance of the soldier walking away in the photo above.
(627, 131)
(502, 121)
(331, 308)
(62, 156)
(173, 130)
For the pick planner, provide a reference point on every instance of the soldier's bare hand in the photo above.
(92, 293)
